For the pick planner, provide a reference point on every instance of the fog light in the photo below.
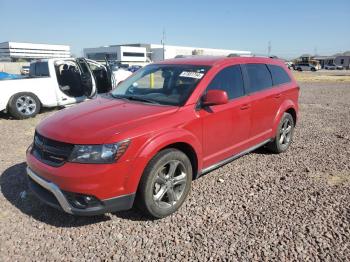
(82, 201)
(29, 149)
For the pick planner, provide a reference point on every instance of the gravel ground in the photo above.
(293, 206)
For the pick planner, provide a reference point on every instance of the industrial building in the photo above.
(14, 51)
(119, 53)
(145, 53)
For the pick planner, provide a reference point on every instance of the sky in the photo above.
(292, 27)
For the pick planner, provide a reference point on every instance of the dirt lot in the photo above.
(293, 206)
(342, 76)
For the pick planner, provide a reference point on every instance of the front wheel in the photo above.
(284, 135)
(165, 183)
(23, 105)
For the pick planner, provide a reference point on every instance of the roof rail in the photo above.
(239, 55)
(233, 55)
(252, 55)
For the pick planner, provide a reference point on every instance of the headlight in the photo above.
(101, 154)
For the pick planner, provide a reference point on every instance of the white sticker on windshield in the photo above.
(192, 74)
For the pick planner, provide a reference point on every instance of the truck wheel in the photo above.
(23, 105)
(165, 183)
(284, 135)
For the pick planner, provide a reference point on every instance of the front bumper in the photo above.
(52, 195)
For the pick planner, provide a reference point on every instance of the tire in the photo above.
(313, 69)
(299, 69)
(23, 105)
(279, 144)
(158, 196)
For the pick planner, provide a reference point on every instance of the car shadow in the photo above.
(14, 187)
(262, 151)
(4, 115)
(13, 183)
(133, 214)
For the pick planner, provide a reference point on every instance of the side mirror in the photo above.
(215, 97)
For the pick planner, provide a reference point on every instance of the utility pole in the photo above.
(269, 48)
(163, 43)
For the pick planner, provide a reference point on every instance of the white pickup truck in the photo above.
(55, 82)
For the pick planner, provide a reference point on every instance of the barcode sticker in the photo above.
(192, 74)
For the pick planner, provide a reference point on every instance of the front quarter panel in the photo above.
(155, 144)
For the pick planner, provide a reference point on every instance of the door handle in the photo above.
(245, 106)
(278, 95)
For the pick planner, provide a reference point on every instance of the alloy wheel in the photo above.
(169, 184)
(26, 105)
(285, 132)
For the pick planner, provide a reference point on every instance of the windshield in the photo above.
(161, 84)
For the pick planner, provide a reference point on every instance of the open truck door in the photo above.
(110, 74)
(87, 78)
(104, 77)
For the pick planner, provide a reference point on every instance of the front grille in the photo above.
(51, 152)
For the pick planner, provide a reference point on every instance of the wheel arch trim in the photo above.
(285, 106)
(157, 143)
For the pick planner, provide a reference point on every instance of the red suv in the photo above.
(165, 125)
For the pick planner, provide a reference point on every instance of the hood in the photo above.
(97, 121)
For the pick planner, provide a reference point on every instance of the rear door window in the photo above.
(259, 77)
(230, 80)
(279, 75)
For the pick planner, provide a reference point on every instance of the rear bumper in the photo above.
(51, 194)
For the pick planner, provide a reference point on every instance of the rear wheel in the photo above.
(313, 69)
(23, 105)
(284, 135)
(165, 183)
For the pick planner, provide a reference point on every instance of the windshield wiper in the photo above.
(136, 98)
(117, 96)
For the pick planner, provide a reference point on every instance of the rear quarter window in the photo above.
(259, 77)
(279, 75)
(39, 69)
